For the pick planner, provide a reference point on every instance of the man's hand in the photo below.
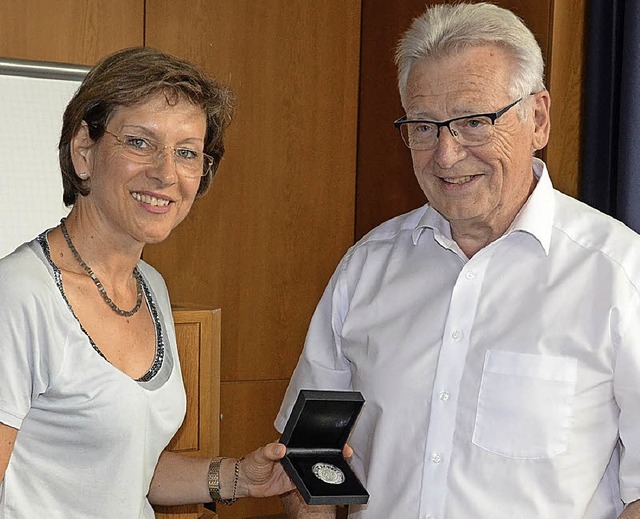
(631, 511)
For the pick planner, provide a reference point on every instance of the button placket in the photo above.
(455, 344)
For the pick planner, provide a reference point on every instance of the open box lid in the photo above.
(321, 420)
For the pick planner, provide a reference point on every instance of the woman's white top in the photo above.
(89, 436)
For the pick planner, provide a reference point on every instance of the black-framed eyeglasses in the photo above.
(189, 163)
(470, 130)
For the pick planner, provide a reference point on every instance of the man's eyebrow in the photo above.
(422, 115)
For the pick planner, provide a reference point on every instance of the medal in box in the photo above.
(315, 434)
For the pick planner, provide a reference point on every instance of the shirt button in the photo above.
(456, 334)
(444, 396)
(436, 458)
(470, 275)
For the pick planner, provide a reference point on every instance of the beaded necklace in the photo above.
(97, 282)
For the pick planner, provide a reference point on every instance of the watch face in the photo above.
(328, 473)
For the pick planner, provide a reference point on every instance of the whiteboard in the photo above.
(33, 96)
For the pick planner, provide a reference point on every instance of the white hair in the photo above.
(444, 29)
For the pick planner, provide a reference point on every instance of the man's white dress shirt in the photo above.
(505, 386)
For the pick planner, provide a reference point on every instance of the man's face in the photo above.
(482, 186)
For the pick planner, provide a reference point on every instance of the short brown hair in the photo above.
(128, 77)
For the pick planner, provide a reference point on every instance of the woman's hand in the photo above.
(261, 473)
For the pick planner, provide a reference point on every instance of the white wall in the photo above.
(31, 111)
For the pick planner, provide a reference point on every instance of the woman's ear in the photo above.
(82, 151)
(541, 107)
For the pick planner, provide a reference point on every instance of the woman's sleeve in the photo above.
(24, 362)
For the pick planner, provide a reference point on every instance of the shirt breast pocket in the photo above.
(525, 404)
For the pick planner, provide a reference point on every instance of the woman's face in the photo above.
(140, 199)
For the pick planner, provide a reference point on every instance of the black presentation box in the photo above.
(318, 428)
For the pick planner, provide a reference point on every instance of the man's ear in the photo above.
(82, 151)
(541, 107)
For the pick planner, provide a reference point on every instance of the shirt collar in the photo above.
(535, 217)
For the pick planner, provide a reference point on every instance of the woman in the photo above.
(91, 391)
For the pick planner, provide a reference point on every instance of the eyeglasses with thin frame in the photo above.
(189, 163)
(469, 130)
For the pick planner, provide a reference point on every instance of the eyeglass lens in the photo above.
(143, 150)
(471, 131)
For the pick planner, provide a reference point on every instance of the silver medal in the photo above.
(328, 473)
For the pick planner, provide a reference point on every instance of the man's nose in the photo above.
(448, 150)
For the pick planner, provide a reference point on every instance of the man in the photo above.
(494, 332)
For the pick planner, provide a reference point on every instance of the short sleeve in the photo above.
(28, 328)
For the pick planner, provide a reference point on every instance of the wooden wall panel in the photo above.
(198, 340)
(263, 243)
(79, 32)
(566, 86)
(385, 184)
(243, 427)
